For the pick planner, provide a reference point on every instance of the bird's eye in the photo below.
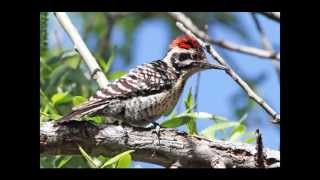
(184, 56)
(194, 56)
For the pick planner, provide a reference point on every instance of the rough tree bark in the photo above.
(175, 146)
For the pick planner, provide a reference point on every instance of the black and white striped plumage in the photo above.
(149, 90)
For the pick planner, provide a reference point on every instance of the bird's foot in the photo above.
(156, 129)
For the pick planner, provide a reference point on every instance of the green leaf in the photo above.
(250, 140)
(219, 119)
(77, 161)
(192, 126)
(124, 161)
(243, 117)
(44, 116)
(174, 122)
(92, 163)
(203, 115)
(44, 100)
(63, 161)
(61, 97)
(116, 75)
(188, 102)
(251, 137)
(211, 130)
(55, 77)
(97, 119)
(237, 132)
(177, 120)
(102, 64)
(73, 62)
(77, 100)
(116, 158)
(43, 32)
(110, 61)
(46, 161)
(44, 64)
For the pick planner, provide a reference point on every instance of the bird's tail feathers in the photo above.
(82, 112)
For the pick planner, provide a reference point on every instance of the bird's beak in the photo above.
(212, 66)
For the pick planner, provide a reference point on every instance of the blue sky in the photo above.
(151, 41)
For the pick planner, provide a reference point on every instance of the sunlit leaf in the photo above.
(243, 117)
(97, 119)
(116, 158)
(77, 161)
(97, 161)
(188, 102)
(110, 61)
(90, 160)
(63, 161)
(192, 126)
(102, 63)
(44, 100)
(124, 161)
(116, 75)
(44, 116)
(73, 62)
(250, 137)
(211, 130)
(237, 132)
(250, 140)
(174, 122)
(77, 100)
(61, 97)
(178, 120)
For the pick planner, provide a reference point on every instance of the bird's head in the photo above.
(187, 56)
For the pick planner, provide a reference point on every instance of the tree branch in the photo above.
(186, 21)
(234, 75)
(265, 42)
(80, 46)
(176, 149)
(260, 156)
(272, 15)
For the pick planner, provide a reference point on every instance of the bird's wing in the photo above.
(143, 80)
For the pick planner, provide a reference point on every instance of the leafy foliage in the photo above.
(122, 160)
(43, 31)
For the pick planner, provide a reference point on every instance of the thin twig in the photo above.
(266, 44)
(259, 156)
(197, 91)
(272, 15)
(275, 116)
(105, 41)
(264, 39)
(186, 21)
(81, 47)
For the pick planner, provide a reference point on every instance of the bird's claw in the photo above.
(156, 130)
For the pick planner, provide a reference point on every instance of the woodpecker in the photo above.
(150, 90)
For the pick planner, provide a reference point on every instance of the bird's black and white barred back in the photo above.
(149, 90)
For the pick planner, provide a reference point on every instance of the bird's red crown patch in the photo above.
(185, 42)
